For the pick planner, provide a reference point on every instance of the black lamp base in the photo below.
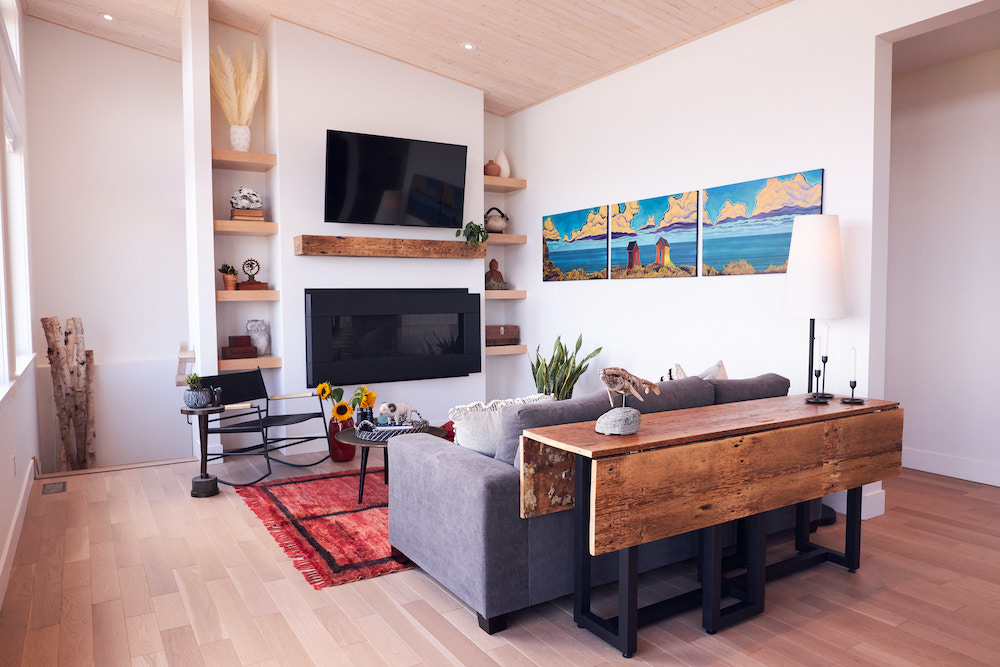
(817, 398)
(852, 400)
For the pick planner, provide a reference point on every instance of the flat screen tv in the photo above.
(392, 181)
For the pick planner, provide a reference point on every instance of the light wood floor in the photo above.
(125, 567)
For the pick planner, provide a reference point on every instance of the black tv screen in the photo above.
(392, 181)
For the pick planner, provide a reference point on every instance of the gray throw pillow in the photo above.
(477, 425)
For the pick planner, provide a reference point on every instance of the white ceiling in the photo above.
(527, 50)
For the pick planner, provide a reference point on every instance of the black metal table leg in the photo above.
(628, 600)
(852, 542)
(364, 467)
(581, 542)
(710, 556)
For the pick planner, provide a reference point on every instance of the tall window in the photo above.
(8, 10)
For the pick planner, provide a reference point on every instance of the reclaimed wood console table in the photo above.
(698, 469)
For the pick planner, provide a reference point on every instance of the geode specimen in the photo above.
(245, 198)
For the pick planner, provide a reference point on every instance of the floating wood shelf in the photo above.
(506, 239)
(360, 246)
(267, 361)
(498, 350)
(505, 294)
(242, 161)
(503, 185)
(248, 295)
(245, 227)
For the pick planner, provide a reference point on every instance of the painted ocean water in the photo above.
(761, 251)
(593, 259)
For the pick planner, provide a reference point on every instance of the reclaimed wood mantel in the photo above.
(361, 246)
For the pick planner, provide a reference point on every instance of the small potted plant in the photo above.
(194, 396)
(474, 234)
(228, 276)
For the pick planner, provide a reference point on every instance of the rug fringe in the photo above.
(277, 526)
(287, 543)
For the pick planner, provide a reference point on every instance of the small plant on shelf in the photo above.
(228, 276)
(194, 381)
(474, 234)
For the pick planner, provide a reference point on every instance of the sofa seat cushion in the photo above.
(687, 393)
(769, 385)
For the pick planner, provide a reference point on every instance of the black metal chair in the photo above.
(249, 411)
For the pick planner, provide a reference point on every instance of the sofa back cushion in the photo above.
(687, 393)
(768, 385)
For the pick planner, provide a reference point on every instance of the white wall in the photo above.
(318, 83)
(791, 89)
(942, 354)
(106, 205)
(768, 96)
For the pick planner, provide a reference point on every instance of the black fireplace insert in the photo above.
(356, 336)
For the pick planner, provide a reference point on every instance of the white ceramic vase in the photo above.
(504, 163)
(239, 137)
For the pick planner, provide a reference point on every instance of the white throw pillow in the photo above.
(477, 425)
(716, 371)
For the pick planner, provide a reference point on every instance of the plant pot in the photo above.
(229, 281)
(340, 451)
(239, 137)
(197, 398)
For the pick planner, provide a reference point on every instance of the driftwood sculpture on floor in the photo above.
(72, 368)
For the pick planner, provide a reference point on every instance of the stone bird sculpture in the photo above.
(622, 382)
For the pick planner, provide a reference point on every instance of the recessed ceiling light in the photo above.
(468, 46)
(107, 17)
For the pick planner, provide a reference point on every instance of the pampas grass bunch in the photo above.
(235, 87)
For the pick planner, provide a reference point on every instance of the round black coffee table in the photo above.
(349, 437)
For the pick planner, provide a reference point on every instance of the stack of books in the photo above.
(255, 214)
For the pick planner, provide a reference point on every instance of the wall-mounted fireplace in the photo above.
(356, 336)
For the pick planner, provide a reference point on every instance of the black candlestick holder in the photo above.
(817, 397)
(852, 400)
(822, 392)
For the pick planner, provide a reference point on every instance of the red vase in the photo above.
(340, 451)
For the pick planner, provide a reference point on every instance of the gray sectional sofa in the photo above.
(455, 512)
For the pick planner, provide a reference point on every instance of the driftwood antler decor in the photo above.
(72, 368)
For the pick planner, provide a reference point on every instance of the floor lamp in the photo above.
(814, 279)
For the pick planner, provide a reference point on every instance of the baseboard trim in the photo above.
(14, 534)
(872, 501)
(960, 467)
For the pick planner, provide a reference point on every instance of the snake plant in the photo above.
(559, 374)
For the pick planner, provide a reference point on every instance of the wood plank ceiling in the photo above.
(526, 50)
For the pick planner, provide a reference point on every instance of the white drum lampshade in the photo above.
(814, 279)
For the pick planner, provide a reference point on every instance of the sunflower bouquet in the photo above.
(362, 398)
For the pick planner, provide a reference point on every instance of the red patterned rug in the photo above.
(318, 522)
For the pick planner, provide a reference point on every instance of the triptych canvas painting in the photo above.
(745, 228)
